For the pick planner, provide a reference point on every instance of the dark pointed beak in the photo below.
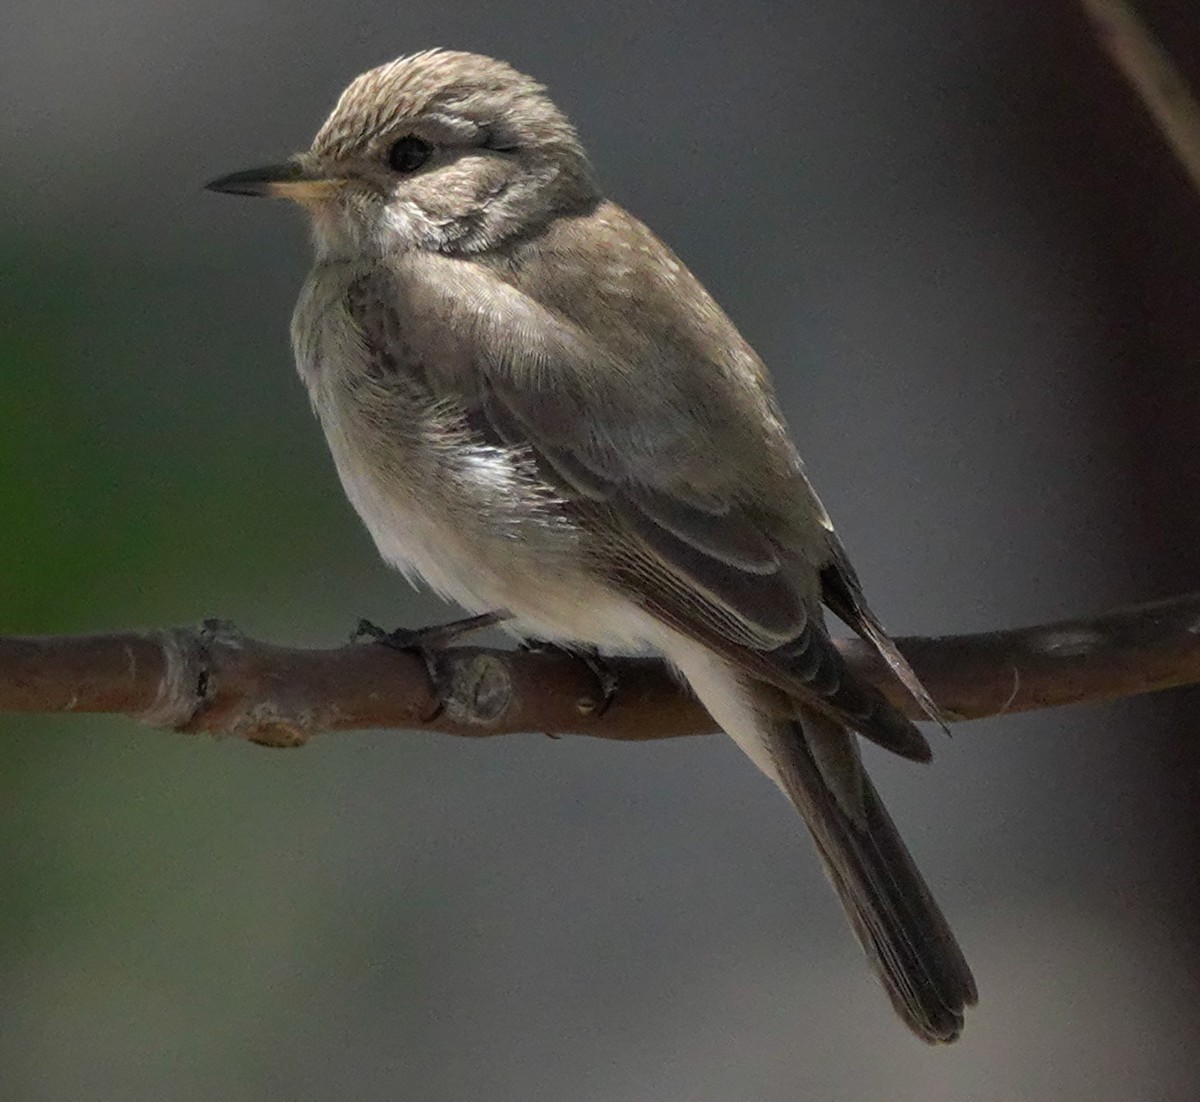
(290, 180)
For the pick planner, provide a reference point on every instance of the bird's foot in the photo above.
(426, 643)
(435, 635)
(607, 682)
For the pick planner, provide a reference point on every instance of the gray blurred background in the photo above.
(973, 268)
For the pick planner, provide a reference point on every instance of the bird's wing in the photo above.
(842, 593)
(659, 470)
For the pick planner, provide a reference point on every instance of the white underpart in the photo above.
(721, 691)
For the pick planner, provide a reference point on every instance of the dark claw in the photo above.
(606, 678)
(437, 686)
(365, 629)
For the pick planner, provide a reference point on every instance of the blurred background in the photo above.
(972, 265)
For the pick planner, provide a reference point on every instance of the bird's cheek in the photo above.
(338, 229)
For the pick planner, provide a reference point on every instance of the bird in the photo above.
(538, 410)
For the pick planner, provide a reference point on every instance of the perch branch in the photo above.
(213, 679)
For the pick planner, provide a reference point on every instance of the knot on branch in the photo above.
(475, 690)
(280, 729)
(194, 682)
(183, 686)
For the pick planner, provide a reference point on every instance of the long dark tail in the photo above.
(901, 928)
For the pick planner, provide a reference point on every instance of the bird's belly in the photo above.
(548, 600)
(487, 563)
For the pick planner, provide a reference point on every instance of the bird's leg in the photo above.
(435, 635)
(601, 670)
(426, 642)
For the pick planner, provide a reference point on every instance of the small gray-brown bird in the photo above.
(536, 408)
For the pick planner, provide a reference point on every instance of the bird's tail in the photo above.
(901, 928)
(815, 761)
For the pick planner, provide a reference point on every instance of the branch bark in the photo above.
(213, 679)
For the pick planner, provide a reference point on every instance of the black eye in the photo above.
(409, 154)
(499, 142)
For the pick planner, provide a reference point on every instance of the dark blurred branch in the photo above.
(213, 679)
(1149, 68)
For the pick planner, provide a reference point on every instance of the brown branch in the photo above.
(1154, 76)
(213, 679)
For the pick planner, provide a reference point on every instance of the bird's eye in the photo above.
(408, 154)
(499, 142)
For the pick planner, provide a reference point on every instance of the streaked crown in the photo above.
(460, 85)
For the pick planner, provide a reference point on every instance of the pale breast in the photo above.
(468, 548)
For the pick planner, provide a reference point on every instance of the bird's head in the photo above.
(446, 151)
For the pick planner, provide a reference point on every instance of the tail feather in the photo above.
(814, 758)
(901, 928)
